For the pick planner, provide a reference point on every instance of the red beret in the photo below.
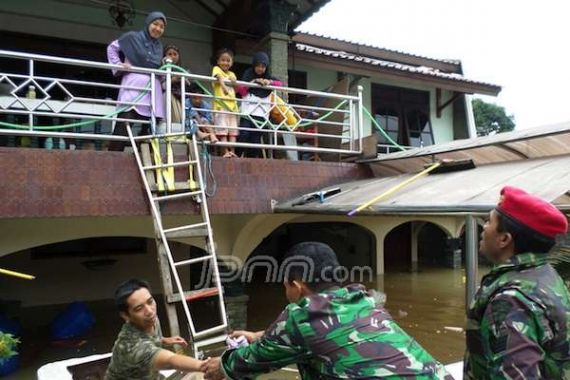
(533, 212)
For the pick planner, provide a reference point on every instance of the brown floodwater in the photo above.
(429, 305)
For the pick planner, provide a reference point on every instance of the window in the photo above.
(404, 115)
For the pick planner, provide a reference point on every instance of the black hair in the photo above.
(525, 239)
(195, 88)
(221, 51)
(124, 291)
(313, 263)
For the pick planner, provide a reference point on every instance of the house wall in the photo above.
(443, 127)
(90, 23)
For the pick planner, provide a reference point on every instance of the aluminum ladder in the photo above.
(200, 339)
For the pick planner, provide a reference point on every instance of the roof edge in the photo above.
(447, 65)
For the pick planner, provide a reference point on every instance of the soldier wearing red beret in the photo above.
(518, 323)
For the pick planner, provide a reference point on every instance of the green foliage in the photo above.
(491, 118)
(8, 345)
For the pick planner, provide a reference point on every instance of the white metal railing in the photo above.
(67, 108)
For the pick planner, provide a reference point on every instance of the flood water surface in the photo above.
(428, 304)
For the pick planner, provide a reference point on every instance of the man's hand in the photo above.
(212, 369)
(172, 340)
(249, 335)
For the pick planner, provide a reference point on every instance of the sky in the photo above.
(519, 45)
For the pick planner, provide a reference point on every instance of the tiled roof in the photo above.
(421, 70)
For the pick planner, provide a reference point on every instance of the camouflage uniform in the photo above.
(518, 323)
(340, 333)
(133, 354)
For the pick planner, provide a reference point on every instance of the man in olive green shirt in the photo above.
(138, 353)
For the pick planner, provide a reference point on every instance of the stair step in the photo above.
(193, 261)
(193, 295)
(178, 186)
(207, 332)
(176, 196)
(172, 165)
(191, 230)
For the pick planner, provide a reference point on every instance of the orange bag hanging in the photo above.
(281, 111)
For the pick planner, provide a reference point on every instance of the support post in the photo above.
(471, 259)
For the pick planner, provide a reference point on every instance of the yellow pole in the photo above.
(394, 189)
(17, 274)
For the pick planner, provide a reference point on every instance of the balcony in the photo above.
(84, 179)
(33, 104)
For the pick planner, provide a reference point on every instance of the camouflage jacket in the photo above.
(341, 333)
(133, 354)
(518, 323)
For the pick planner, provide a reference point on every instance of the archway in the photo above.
(355, 247)
(415, 243)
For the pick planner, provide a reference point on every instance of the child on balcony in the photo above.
(198, 108)
(140, 49)
(225, 105)
(256, 101)
(172, 55)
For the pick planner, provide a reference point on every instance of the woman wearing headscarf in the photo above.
(256, 100)
(139, 49)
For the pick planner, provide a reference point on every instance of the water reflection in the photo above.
(428, 304)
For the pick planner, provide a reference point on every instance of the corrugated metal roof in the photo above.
(374, 62)
(450, 61)
(475, 190)
(546, 141)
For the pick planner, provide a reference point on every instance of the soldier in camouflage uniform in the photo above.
(138, 353)
(518, 323)
(330, 332)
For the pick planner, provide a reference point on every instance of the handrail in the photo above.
(346, 127)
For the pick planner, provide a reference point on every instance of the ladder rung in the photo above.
(193, 261)
(210, 341)
(178, 186)
(191, 230)
(176, 196)
(209, 331)
(193, 295)
(172, 165)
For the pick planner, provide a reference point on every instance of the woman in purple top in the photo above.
(140, 49)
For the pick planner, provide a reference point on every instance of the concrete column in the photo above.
(277, 46)
(471, 258)
(379, 252)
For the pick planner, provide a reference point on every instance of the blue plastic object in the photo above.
(73, 322)
(10, 365)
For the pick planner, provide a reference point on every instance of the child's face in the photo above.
(173, 55)
(225, 61)
(196, 101)
(259, 69)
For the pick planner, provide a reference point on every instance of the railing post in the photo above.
(168, 97)
(183, 100)
(31, 114)
(152, 103)
(360, 118)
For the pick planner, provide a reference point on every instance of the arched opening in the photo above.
(424, 286)
(418, 243)
(354, 245)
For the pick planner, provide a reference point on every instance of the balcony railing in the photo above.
(36, 104)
